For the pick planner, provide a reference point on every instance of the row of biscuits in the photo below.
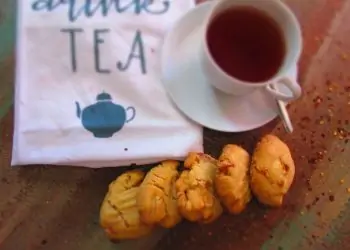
(137, 202)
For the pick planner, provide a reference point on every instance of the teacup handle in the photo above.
(293, 86)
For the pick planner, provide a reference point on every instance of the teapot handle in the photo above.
(133, 113)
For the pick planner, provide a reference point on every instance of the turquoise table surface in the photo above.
(7, 40)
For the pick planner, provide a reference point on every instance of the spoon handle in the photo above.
(283, 114)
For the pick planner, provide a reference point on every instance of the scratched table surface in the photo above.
(44, 207)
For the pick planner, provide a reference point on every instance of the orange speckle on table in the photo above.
(344, 56)
(317, 101)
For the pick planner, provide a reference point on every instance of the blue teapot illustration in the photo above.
(104, 118)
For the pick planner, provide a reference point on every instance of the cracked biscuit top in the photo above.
(119, 215)
(272, 170)
(157, 197)
(195, 189)
(232, 180)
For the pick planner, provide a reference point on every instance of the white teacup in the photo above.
(290, 28)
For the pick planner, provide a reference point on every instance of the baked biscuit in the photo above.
(157, 197)
(196, 197)
(232, 179)
(272, 171)
(119, 215)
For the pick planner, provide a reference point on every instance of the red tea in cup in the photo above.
(246, 43)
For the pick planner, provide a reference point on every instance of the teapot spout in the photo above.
(78, 109)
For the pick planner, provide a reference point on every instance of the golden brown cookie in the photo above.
(272, 170)
(157, 197)
(119, 215)
(232, 179)
(195, 189)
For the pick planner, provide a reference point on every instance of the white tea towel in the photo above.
(88, 90)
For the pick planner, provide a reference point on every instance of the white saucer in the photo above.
(185, 83)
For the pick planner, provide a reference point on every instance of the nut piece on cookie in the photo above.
(157, 197)
(195, 189)
(272, 171)
(232, 179)
(119, 215)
